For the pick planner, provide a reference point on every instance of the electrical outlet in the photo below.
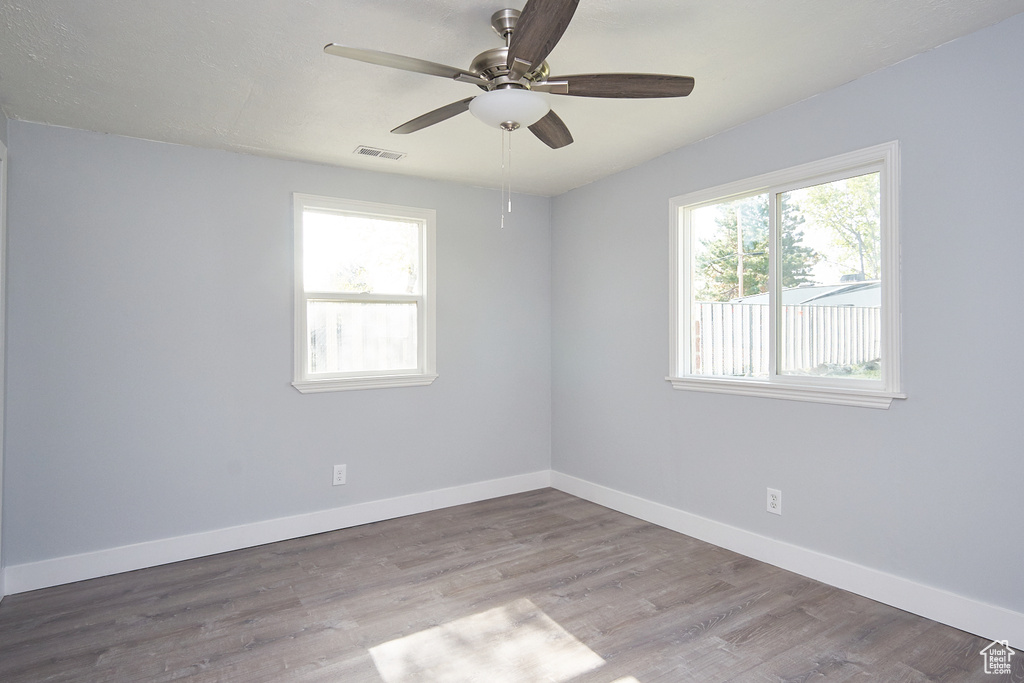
(775, 501)
(339, 475)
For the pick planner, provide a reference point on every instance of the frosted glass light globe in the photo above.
(509, 105)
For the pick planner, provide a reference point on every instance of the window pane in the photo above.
(730, 274)
(355, 337)
(351, 253)
(830, 323)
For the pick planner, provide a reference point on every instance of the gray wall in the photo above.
(929, 490)
(150, 347)
(150, 324)
(3, 275)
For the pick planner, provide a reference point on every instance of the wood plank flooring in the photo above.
(653, 605)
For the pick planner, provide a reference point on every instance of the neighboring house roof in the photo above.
(868, 294)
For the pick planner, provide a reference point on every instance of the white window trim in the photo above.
(426, 372)
(869, 394)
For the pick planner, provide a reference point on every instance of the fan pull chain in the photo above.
(508, 184)
(501, 198)
(506, 174)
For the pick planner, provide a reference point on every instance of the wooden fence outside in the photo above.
(731, 339)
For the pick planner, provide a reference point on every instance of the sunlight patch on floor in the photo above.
(514, 643)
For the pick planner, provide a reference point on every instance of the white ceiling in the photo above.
(251, 76)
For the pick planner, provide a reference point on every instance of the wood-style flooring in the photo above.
(540, 586)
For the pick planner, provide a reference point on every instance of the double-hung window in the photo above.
(787, 285)
(364, 295)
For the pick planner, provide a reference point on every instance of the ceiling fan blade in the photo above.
(431, 117)
(551, 131)
(617, 85)
(537, 30)
(394, 61)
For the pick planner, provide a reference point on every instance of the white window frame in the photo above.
(883, 159)
(426, 370)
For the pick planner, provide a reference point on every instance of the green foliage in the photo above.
(850, 210)
(717, 263)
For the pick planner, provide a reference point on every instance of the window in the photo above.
(787, 285)
(364, 295)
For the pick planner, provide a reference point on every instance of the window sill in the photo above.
(314, 386)
(791, 392)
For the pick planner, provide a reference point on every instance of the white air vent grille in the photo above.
(365, 151)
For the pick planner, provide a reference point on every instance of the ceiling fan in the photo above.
(512, 75)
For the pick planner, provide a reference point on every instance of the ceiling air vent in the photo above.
(365, 151)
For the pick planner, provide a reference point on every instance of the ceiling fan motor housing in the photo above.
(491, 65)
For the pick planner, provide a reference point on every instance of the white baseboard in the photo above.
(988, 621)
(53, 572)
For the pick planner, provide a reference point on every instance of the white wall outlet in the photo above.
(775, 501)
(339, 475)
